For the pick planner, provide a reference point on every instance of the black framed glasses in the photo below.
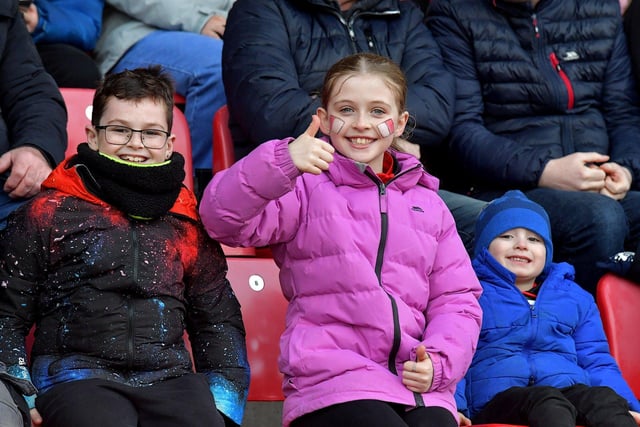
(153, 139)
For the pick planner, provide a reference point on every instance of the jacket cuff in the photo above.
(283, 159)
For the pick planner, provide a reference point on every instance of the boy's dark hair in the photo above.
(140, 83)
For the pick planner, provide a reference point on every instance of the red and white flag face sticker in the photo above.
(386, 128)
(336, 124)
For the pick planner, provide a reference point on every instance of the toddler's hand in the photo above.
(464, 421)
(309, 153)
(36, 419)
(417, 376)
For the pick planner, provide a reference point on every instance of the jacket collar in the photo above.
(65, 179)
(363, 5)
(345, 171)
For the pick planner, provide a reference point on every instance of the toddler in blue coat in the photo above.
(542, 358)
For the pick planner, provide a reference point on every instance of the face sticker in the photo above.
(336, 124)
(386, 128)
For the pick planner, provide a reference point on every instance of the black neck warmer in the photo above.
(143, 191)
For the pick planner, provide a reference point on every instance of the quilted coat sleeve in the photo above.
(216, 329)
(259, 73)
(431, 87)
(31, 104)
(253, 202)
(594, 356)
(55, 17)
(453, 312)
(22, 268)
(621, 109)
(482, 152)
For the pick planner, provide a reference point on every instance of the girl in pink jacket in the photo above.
(383, 313)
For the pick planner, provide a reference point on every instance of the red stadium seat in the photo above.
(256, 284)
(619, 304)
(223, 155)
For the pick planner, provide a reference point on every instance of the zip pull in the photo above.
(565, 79)
(534, 21)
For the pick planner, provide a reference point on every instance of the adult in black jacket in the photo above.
(33, 118)
(546, 103)
(276, 53)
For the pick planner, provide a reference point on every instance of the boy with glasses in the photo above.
(112, 264)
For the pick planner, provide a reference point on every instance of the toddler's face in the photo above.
(522, 252)
(362, 118)
(144, 114)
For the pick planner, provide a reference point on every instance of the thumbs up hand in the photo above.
(417, 376)
(310, 154)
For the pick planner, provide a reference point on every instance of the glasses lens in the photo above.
(153, 138)
(119, 135)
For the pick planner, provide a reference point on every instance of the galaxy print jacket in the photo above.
(111, 296)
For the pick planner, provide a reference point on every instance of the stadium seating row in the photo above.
(256, 284)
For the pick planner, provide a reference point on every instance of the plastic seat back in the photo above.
(619, 304)
(256, 284)
(223, 155)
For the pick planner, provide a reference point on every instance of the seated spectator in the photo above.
(111, 263)
(631, 18)
(276, 53)
(383, 342)
(547, 105)
(542, 358)
(65, 33)
(185, 38)
(33, 119)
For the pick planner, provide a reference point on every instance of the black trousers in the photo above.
(184, 401)
(69, 66)
(375, 413)
(557, 407)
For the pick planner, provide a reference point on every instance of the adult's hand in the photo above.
(576, 172)
(618, 181)
(408, 147)
(214, 27)
(30, 16)
(26, 168)
(464, 421)
(310, 154)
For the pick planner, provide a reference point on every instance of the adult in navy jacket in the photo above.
(65, 33)
(33, 118)
(546, 103)
(276, 53)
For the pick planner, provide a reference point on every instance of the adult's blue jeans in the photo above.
(588, 228)
(194, 62)
(8, 205)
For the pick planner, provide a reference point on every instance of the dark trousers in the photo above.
(69, 66)
(557, 407)
(374, 413)
(184, 401)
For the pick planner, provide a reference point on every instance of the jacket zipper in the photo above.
(130, 307)
(555, 62)
(352, 34)
(384, 227)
